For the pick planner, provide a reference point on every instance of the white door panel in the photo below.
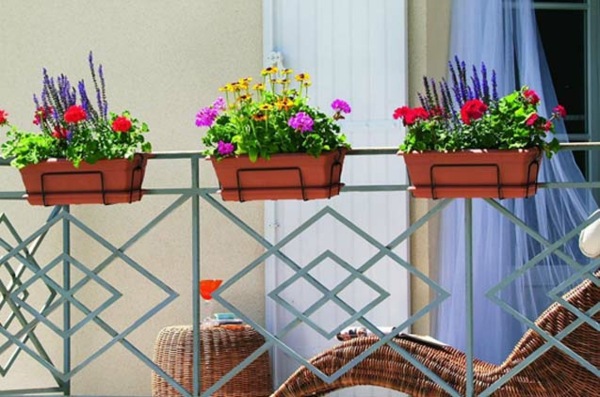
(354, 50)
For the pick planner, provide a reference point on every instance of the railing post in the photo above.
(196, 275)
(469, 292)
(67, 304)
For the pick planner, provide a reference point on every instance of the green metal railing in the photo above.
(26, 341)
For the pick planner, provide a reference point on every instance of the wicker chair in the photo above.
(552, 374)
(221, 349)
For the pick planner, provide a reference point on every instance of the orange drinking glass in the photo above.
(207, 287)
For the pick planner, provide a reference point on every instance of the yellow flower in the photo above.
(247, 80)
(235, 86)
(260, 116)
(269, 70)
(265, 107)
(245, 98)
(258, 87)
(286, 72)
(285, 104)
(302, 77)
(227, 87)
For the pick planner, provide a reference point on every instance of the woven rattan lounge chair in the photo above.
(553, 374)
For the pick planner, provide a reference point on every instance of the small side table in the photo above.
(221, 349)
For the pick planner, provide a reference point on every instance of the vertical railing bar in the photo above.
(196, 278)
(469, 292)
(67, 304)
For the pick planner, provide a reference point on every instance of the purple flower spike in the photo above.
(206, 117)
(301, 122)
(225, 148)
(339, 105)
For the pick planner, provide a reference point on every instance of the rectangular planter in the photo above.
(297, 176)
(474, 173)
(58, 182)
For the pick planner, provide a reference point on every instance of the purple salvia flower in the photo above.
(423, 101)
(448, 94)
(225, 148)
(436, 97)
(103, 91)
(85, 101)
(219, 104)
(206, 117)
(486, 87)
(301, 122)
(476, 83)
(494, 86)
(339, 105)
(36, 101)
(470, 93)
(428, 96)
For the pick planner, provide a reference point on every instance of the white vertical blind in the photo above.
(354, 50)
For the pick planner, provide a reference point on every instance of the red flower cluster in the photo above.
(121, 124)
(410, 116)
(472, 110)
(41, 114)
(560, 111)
(75, 114)
(531, 96)
(3, 117)
(60, 133)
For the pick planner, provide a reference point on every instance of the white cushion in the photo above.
(589, 239)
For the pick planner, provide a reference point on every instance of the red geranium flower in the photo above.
(121, 124)
(401, 112)
(531, 120)
(60, 133)
(548, 126)
(3, 117)
(75, 114)
(531, 96)
(41, 114)
(560, 111)
(472, 110)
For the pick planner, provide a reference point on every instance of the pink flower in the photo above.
(548, 126)
(301, 122)
(559, 111)
(531, 96)
(339, 105)
(225, 148)
(472, 110)
(531, 120)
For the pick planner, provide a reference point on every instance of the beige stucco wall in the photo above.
(428, 39)
(163, 60)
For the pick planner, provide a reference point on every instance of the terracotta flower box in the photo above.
(297, 176)
(58, 182)
(474, 173)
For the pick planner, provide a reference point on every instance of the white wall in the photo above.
(163, 60)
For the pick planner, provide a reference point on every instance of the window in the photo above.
(568, 31)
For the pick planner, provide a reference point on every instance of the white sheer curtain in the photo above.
(503, 34)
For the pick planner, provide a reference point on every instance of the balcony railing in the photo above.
(19, 328)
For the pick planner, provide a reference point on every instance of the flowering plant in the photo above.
(270, 117)
(72, 127)
(469, 114)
